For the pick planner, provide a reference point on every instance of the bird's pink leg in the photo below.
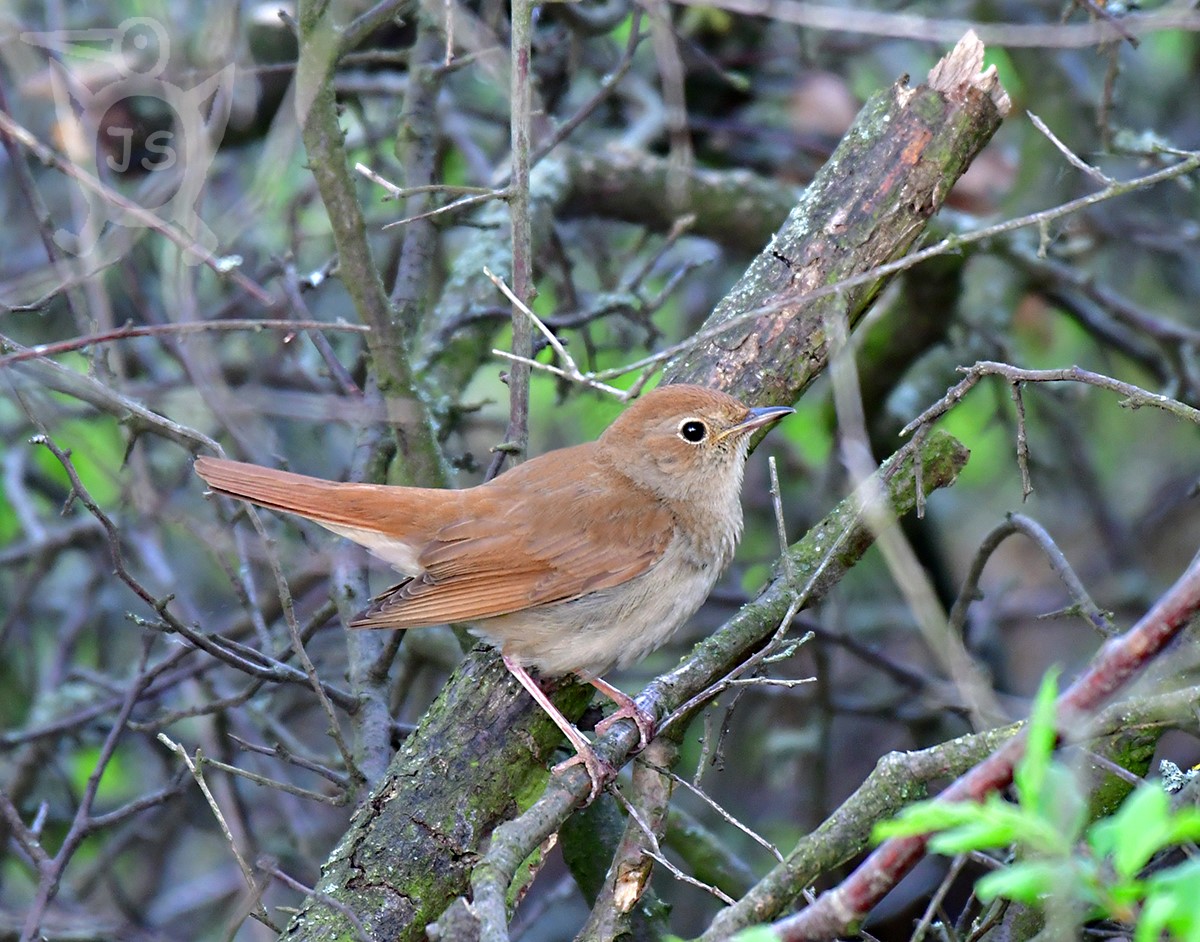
(598, 770)
(627, 708)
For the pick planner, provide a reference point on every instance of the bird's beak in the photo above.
(758, 418)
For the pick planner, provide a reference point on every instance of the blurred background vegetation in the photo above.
(1112, 288)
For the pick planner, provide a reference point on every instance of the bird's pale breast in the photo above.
(618, 626)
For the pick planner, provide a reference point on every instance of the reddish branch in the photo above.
(837, 910)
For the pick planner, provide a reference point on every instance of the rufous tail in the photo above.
(323, 501)
(392, 522)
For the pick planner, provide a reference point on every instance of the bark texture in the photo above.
(865, 208)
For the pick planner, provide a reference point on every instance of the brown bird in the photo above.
(574, 562)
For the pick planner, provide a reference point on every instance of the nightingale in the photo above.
(574, 562)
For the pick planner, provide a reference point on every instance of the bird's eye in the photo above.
(693, 430)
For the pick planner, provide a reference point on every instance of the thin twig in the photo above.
(24, 835)
(467, 202)
(198, 775)
(50, 875)
(725, 815)
(138, 805)
(570, 369)
(1113, 768)
(1072, 158)
(951, 244)
(607, 85)
(187, 327)
(1022, 441)
(23, 179)
(1018, 523)
(752, 663)
(1105, 14)
(291, 290)
(516, 435)
(404, 192)
(284, 754)
(682, 877)
(907, 572)
(271, 866)
(335, 800)
(382, 13)
(653, 850)
(937, 29)
(784, 682)
(1135, 396)
(310, 670)
(105, 399)
(935, 902)
(780, 526)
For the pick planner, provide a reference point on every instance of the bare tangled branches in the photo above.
(190, 747)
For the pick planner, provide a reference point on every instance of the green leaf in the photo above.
(1029, 777)
(1103, 836)
(1170, 904)
(982, 834)
(1178, 916)
(757, 934)
(1027, 882)
(926, 816)
(1185, 825)
(1156, 915)
(1138, 830)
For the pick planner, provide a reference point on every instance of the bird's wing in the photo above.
(567, 540)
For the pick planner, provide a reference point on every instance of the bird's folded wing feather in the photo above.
(538, 538)
(533, 554)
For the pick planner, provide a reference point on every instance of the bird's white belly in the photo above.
(613, 627)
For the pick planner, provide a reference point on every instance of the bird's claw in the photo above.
(599, 772)
(630, 711)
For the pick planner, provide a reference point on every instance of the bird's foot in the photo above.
(641, 719)
(599, 771)
(627, 709)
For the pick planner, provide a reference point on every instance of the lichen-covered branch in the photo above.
(478, 757)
